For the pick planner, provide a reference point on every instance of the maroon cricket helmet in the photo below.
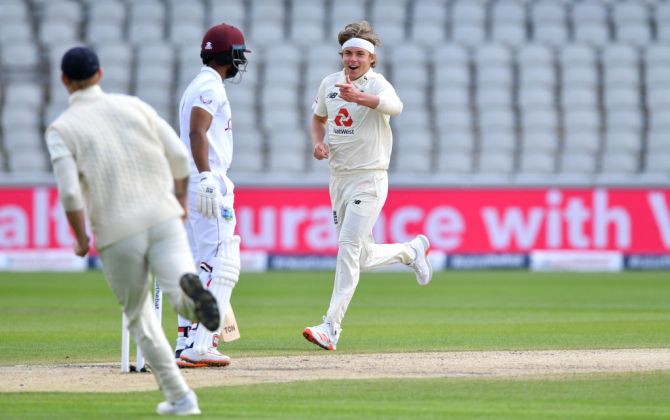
(223, 38)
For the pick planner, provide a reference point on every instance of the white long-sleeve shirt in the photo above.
(121, 157)
(359, 137)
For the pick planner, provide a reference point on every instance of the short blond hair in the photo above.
(361, 29)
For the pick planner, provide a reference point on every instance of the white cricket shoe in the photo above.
(212, 357)
(324, 335)
(185, 406)
(421, 264)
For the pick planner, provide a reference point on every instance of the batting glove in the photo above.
(209, 199)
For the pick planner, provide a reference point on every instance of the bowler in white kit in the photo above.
(352, 110)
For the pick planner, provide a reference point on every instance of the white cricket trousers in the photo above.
(205, 237)
(357, 201)
(162, 250)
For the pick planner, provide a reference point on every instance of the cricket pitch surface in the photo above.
(324, 365)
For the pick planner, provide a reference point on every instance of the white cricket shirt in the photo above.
(359, 138)
(207, 91)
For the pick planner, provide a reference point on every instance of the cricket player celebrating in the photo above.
(355, 106)
(114, 156)
(206, 130)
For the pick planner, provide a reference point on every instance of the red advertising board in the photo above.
(468, 220)
(299, 220)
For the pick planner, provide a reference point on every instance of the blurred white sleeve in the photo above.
(175, 151)
(65, 171)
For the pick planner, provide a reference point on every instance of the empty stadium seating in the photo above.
(506, 89)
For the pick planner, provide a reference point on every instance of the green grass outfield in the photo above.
(73, 318)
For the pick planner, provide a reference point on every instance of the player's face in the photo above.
(357, 61)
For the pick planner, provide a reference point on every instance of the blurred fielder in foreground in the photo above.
(205, 126)
(355, 106)
(115, 157)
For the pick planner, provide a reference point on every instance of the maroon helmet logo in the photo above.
(343, 118)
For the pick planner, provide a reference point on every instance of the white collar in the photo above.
(83, 94)
(208, 69)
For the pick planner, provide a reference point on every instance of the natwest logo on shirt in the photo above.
(343, 119)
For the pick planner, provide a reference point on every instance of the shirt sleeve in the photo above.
(56, 146)
(175, 151)
(319, 105)
(389, 102)
(210, 100)
(67, 181)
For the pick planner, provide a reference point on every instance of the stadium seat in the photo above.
(579, 98)
(577, 162)
(468, 11)
(286, 162)
(539, 140)
(306, 33)
(186, 33)
(539, 76)
(456, 140)
(384, 12)
(550, 34)
(581, 139)
(536, 97)
(344, 12)
(620, 55)
(499, 140)
(468, 34)
(109, 12)
(532, 55)
(454, 119)
(450, 54)
(15, 32)
(496, 76)
(509, 34)
(430, 34)
(13, 10)
(454, 162)
(412, 162)
(450, 97)
(536, 162)
(547, 11)
(491, 97)
(658, 141)
(657, 76)
(619, 162)
(429, 12)
(495, 162)
(192, 12)
(457, 75)
(303, 11)
(622, 97)
(24, 140)
(65, 11)
(637, 34)
(247, 162)
(28, 162)
(101, 32)
(623, 141)
(232, 12)
(624, 120)
(535, 119)
(589, 12)
(621, 76)
(658, 162)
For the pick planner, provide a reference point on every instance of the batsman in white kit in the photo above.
(117, 162)
(354, 106)
(206, 129)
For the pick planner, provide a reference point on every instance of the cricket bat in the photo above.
(229, 330)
